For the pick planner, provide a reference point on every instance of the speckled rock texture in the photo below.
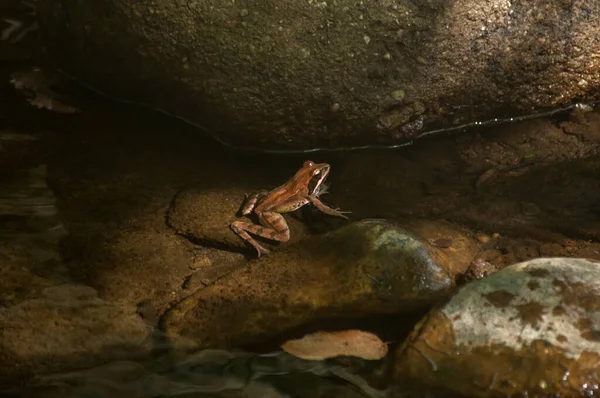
(532, 329)
(303, 74)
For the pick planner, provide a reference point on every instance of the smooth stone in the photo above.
(269, 76)
(532, 328)
(367, 268)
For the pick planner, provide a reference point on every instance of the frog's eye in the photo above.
(309, 163)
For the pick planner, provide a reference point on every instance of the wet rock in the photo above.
(479, 268)
(68, 326)
(210, 265)
(541, 187)
(366, 268)
(371, 74)
(552, 250)
(482, 238)
(532, 329)
(205, 216)
(455, 257)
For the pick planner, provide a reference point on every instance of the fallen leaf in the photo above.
(36, 84)
(45, 102)
(322, 345)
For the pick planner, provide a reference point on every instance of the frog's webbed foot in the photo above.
(328, 210)
(251, 200)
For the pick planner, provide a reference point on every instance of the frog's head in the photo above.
(314, 176)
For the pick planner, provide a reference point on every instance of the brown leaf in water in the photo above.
(44, 102)
(322, 345)
(37, 84)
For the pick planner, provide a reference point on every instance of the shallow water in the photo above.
(209, 373)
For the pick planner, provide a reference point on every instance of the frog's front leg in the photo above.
(251, 200)
(273, 227)
(326, 209)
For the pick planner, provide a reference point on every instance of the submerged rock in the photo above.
(366, 268)
(300, 74)
(532, 328)
(68, 327)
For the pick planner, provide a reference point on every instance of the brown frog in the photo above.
(303, 188)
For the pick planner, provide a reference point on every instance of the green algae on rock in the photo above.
(366, 268)
(531, 328)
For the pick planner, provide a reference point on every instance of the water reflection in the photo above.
(213, 373)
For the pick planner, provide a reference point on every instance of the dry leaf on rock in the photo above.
(322, 345)
(36, 84)
(45, 102)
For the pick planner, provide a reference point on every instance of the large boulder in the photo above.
(298, 74)
(531, 329)
(367, 268)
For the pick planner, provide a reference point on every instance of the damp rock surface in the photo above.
(531, 328)
(301, 74)
(68, 326)
(366, 268)
(205, 216)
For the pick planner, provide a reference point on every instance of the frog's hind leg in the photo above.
(251, 200)
(240, 228)
(273, 227)
(279, 229)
